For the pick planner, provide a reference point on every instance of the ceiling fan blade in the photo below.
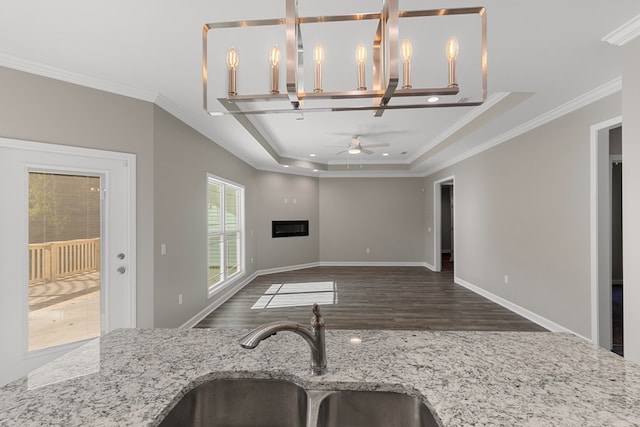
(365, 151)
(343, 151)
(382, 144)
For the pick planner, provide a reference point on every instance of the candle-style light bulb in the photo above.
(232, 58)
(452, 48)
(407, 53)
(274, 60)
(318, 59)
(452, 54)
(318, 55)
(407, 50)
(232, 64)
(361, 59)
(361, 54)
(274, 56)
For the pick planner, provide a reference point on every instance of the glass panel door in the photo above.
(64, 259)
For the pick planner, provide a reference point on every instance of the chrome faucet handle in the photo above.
(317, 321)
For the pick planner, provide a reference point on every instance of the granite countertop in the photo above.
(129, 377)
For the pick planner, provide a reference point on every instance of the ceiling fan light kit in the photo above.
(387, 54)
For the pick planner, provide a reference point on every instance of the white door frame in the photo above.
(110, 262)
(600, 230)
(437, 220)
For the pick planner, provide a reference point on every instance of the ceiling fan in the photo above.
(356, 147)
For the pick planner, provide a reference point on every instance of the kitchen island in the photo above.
(132, 377)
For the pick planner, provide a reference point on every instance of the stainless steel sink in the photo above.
(241, 403)
(269, 403)
(373, 409)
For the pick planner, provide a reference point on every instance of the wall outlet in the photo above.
(179, 299)
(429, 229)
(506, 279)
(251, 260)
(368, 250)
(163, 249)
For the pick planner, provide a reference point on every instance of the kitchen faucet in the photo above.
(314, 336)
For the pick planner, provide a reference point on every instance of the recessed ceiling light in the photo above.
(385, 154)
(315, 170)
(433, 99)
(312, 155)
(285, 166)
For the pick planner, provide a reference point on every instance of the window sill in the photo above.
(221, 288)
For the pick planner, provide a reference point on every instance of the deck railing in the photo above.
(55, 260)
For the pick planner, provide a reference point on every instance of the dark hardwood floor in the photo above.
(400, 298)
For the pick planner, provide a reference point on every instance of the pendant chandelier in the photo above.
(391, 73)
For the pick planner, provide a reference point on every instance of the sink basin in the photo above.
(241, 403)
(373, 409)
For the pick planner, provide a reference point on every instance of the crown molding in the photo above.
(475, 112)
(44, 70)
(370, 174)
(625, 33)
(573, 105)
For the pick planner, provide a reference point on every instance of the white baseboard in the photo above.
(218, 300)
(230, 291)
(287, 268)
(370, 264)
(429, 266)
(535, 318)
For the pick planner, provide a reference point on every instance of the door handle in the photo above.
(121, 270)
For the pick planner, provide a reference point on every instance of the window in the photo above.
(64, 258)
(225, 228)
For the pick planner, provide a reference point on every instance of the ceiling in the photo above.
(544, 58)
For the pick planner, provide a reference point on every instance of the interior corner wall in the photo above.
(522, 210)
(631, 197)
(286, 197)
(182, 159)
(40, 109)
(384, 215)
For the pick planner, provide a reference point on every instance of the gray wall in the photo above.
(182, 159)
(382, 214)
(523, 211)
(615, 141)
(45, 110)
(286, 197)
(631, 196)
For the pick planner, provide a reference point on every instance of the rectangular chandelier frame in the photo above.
(386, 63)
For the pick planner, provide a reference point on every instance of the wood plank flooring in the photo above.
(399, 298)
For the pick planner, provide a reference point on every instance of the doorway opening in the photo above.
(444, 224)
(68, 248)
(606, 235)
(617, 293)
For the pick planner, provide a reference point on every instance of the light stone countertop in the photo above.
(130, 377)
